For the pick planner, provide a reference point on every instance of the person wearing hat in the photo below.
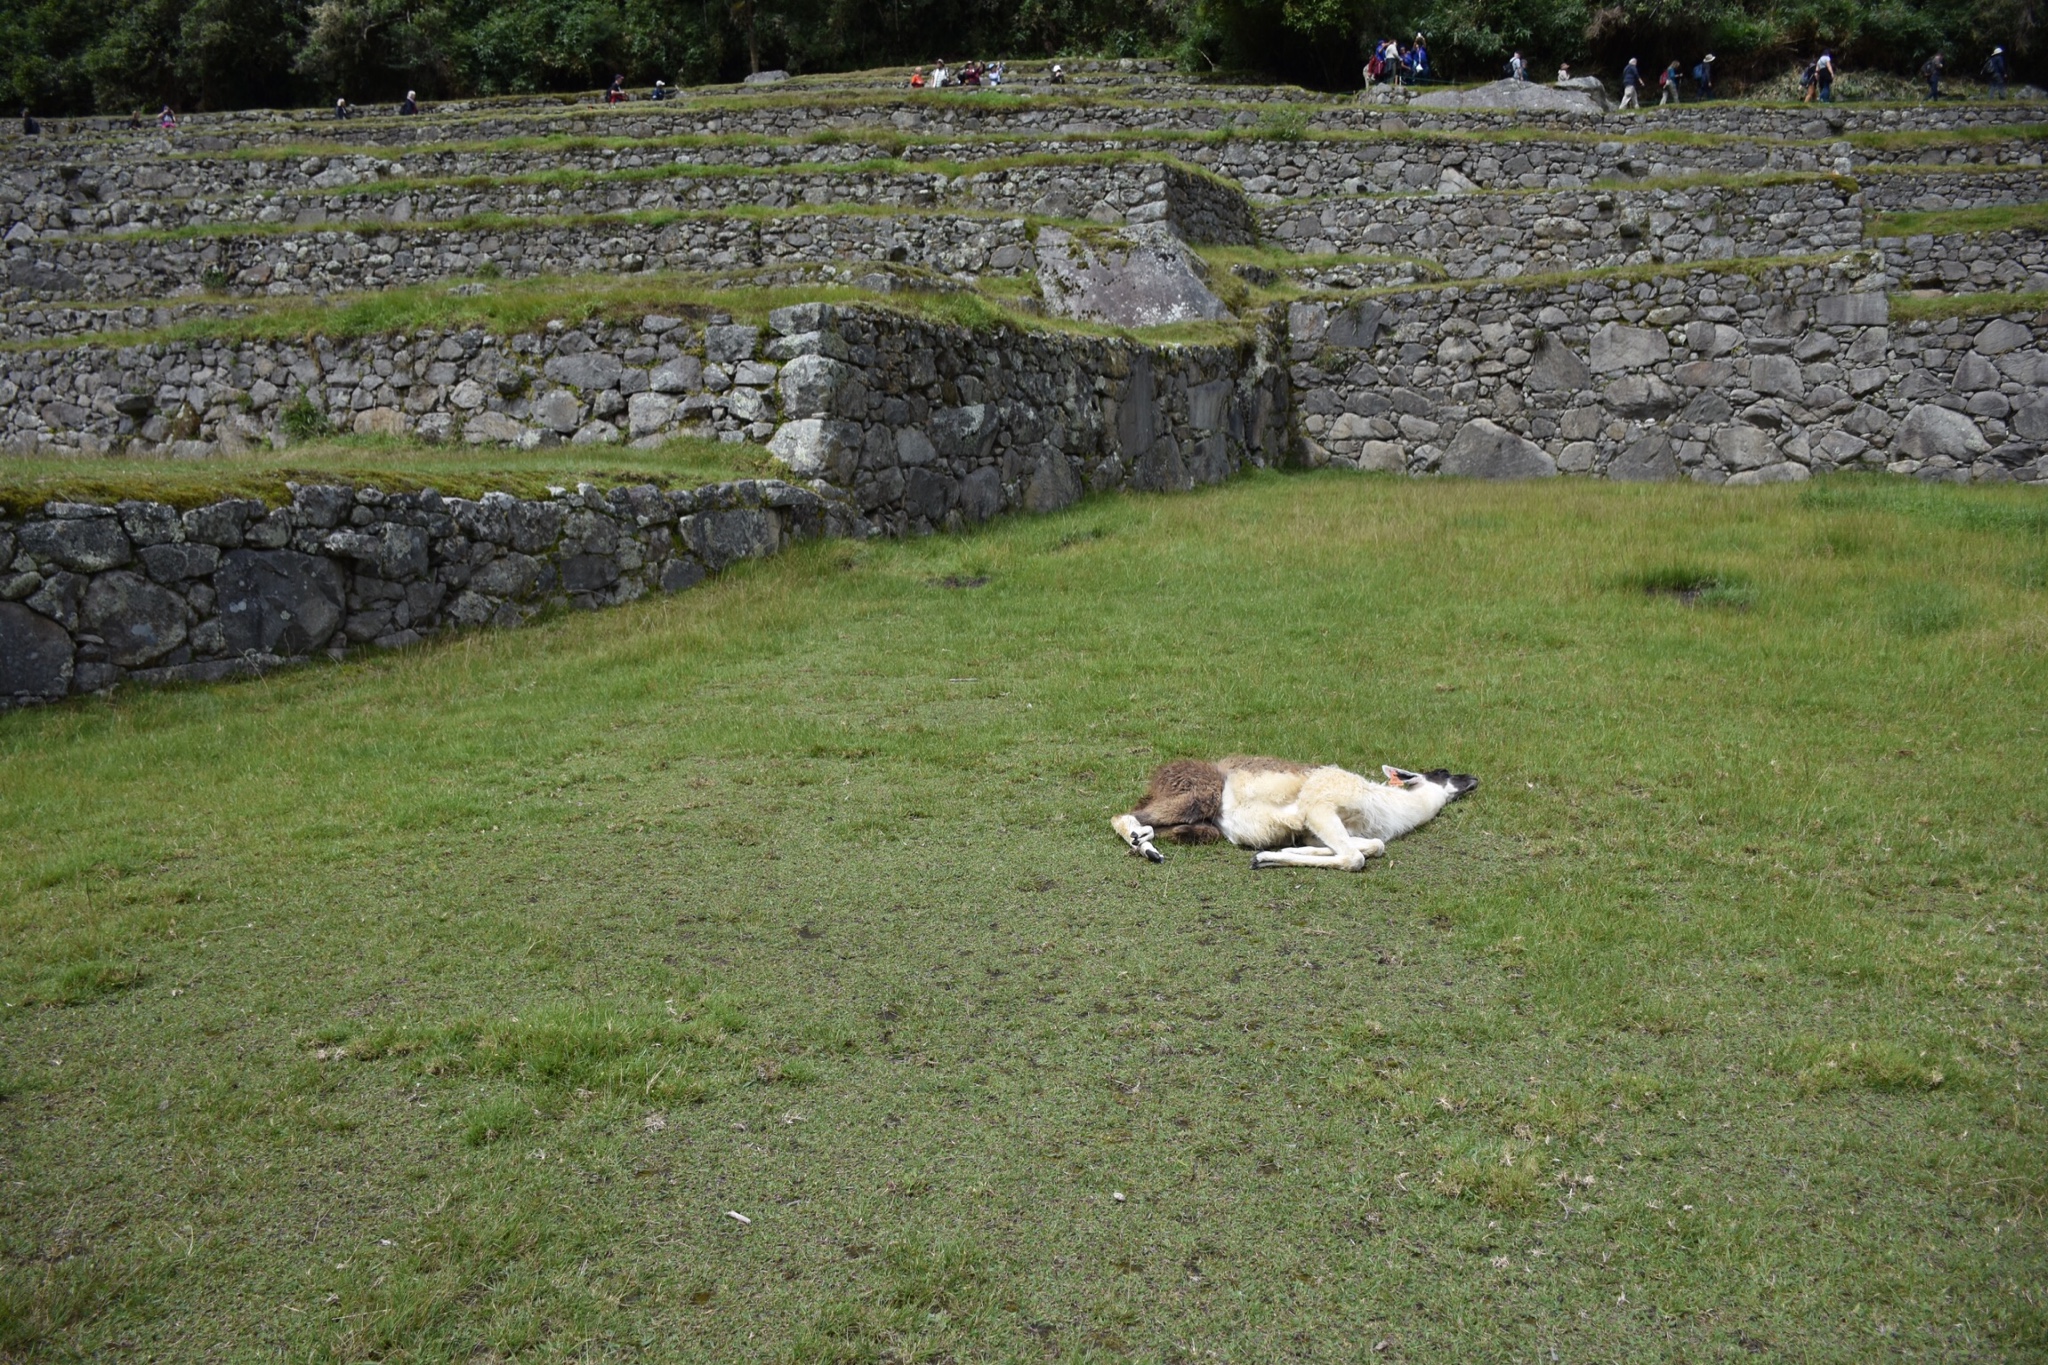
(1703, 75)
(1995, 68)
(661, 91)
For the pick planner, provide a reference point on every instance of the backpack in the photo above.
(1699, 71)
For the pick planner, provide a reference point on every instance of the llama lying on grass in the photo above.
(1270, 804)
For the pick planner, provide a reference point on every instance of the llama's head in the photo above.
(1453, 785)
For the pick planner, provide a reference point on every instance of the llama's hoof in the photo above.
(1152, 854)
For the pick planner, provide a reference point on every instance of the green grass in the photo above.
(380, 462)
(1915, 308)
(442, 1005)
(1953, 222)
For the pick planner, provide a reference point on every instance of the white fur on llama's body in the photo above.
(1300, 816)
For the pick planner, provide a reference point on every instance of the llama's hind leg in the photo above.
(1138, 835)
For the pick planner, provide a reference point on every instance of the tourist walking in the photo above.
(410, 105)
(1930, 72)
(1668, 84)
(617, 93)
(1824, 76)
(1806, 83)
(1632, 85)
(1994, 67)
(1703, 76)
(342, 108)
(1518, 70)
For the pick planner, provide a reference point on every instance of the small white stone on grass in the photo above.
(739, 1218)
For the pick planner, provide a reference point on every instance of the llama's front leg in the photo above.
(1341, 849)
(1138, 835)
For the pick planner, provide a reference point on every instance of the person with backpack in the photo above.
(1668, 84)
(1518, 70)
(1703, 76)
(1806, 84)
(1632, 85)
(1824, 76)
(1994, 67)
(1930, 72)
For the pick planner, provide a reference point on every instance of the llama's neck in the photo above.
(1389, 812)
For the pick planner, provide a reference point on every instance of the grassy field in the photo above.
(448, 1005)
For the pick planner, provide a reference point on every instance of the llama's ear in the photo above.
(1394, 778)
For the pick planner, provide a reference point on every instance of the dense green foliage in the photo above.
(112, 55)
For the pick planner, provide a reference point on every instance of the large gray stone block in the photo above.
(35, 655)
(720, 538)
(810, 384)
(1855, 310)
(817, 447)
(139, 621)
(589, 370)
(1146, 277)
(278, 601)
(88, 545)
(1930, 431)
(1616, 347)
(1485, 450)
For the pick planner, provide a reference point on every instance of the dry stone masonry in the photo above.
(1466, 292)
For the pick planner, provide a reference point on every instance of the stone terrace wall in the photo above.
(1978, 262)
(1715, 377)
(1504, 235)
(324, 261)
(66, 194)
(904, 427)
(91, 596)
(908, 113)
(1201, 209)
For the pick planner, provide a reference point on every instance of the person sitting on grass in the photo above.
(917, 78)
(942, 77)
(342, 108)
(1058, 75)
(1564, 73)
(165, 119)
(617, 93)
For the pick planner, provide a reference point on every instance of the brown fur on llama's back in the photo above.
(1185, 798)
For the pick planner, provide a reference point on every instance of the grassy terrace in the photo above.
(442, 1005)
(1953, 222)
(1271, 127)
(395, 466)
